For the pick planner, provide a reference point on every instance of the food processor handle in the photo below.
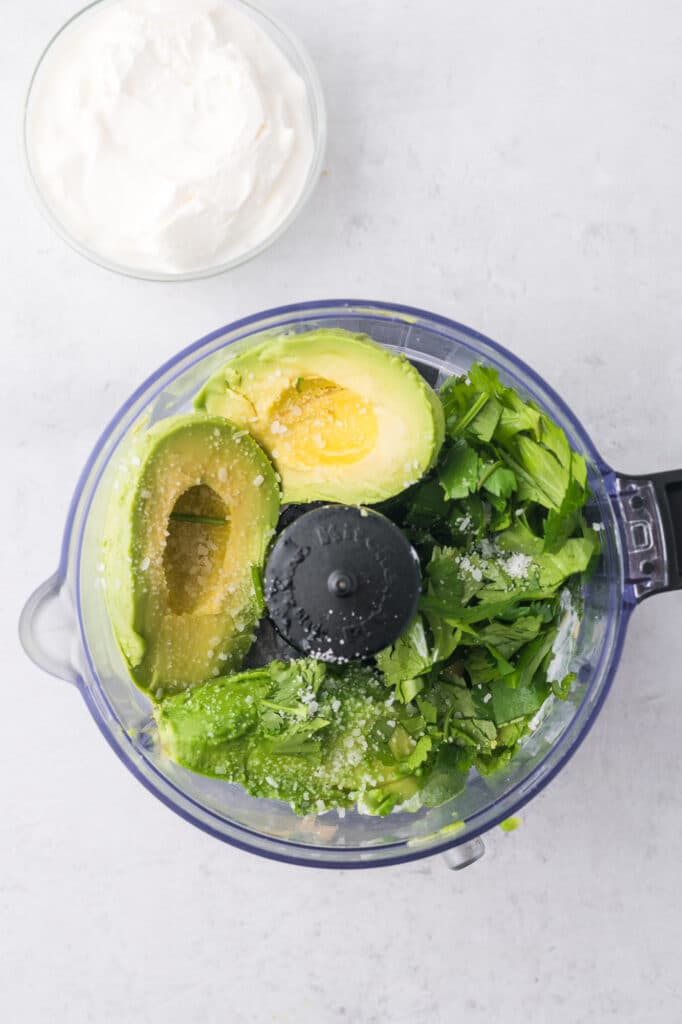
(651, 516)
(47, 628)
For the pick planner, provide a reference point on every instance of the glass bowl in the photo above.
(302, 64)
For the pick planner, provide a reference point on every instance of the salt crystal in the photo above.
(517, 565)
(487, 548)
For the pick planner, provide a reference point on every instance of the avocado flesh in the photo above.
(193, 508)
(342, 418)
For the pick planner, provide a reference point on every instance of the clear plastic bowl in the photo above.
(300, 61)
(65, 626)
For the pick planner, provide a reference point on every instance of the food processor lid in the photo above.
(342, 582)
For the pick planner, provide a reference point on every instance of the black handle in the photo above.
(651, 509)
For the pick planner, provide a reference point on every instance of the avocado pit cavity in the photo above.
(317, 422)
(195, 548)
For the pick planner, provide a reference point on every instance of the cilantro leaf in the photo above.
(508, 637)
(458, 475)
(447, 777)
(508, 704)
(420, 753)
(297, 739)
(516, 416)
(427, 505)
(290, 678)
(562, 687)
(574, 556)
(545, 478)
(408, 658)
(407, 689)
(532, 657)
(519, 537)
(501, 482)
(484, 423)
(477, 733)
(444, 638)
(485, 379)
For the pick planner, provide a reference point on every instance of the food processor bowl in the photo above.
(65, 626)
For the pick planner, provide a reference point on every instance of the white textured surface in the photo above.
(515, 166)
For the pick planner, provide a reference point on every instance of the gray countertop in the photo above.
(517, 167)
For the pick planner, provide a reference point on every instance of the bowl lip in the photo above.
(278, 31)
(392, 853)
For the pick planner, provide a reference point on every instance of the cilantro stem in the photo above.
(190, 517)
(446, 723)
(471, 414)
(488, 472)
(299, 711)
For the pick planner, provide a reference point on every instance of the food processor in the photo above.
(65, 626)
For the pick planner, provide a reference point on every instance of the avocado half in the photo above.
(341, 417)
(193, 509)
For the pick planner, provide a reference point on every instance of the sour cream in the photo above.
(169, 136)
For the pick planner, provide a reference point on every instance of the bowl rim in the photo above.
(280, 34)
(271, 846)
